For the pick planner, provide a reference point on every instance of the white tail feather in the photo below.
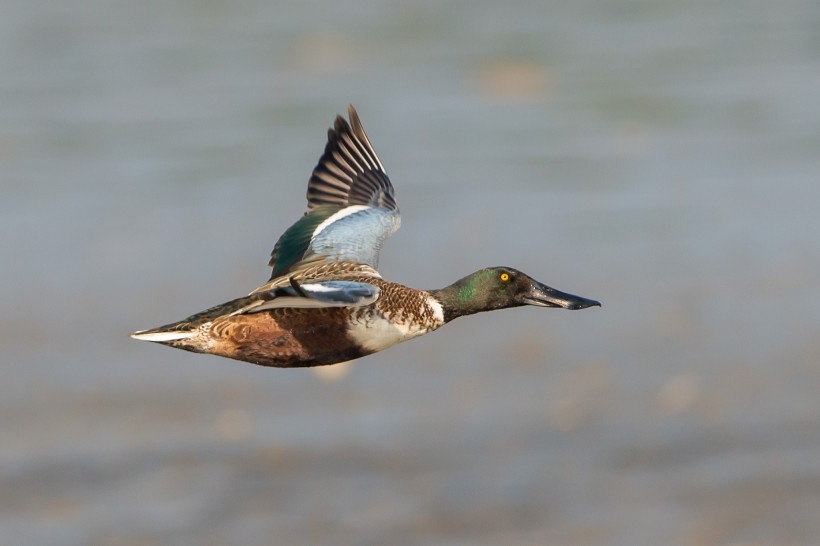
(162, 336)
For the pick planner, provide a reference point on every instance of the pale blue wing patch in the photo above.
(313, 295)
(355, 234)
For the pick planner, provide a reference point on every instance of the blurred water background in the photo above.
(661, 156)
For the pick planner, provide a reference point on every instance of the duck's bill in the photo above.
(545, 296)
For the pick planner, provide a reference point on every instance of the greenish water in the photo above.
(659, 156)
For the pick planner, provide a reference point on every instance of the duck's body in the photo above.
(297, 336)
(326, 302)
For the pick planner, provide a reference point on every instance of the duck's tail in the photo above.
(176, 333)
(159, 335)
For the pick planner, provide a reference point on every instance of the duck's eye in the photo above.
(504, 277)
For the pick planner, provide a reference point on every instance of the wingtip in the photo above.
(339, 127)
(356, 123)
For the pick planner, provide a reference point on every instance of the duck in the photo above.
(325, 301)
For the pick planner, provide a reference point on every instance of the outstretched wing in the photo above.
(351, 206)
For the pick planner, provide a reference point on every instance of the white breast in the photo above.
(376, 332)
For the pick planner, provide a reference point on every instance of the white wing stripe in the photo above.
(347, 211)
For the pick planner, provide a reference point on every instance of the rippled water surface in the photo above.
(663, 157)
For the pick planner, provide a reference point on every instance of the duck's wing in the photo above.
(312, 295)
(318, 284)
(351, 206)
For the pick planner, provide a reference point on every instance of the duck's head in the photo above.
(499, 288)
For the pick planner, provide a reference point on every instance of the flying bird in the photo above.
(325, 301)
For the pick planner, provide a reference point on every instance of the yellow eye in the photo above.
(504, 277)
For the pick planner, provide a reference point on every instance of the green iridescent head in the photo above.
(499, 288)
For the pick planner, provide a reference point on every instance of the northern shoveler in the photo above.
(325, 301)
